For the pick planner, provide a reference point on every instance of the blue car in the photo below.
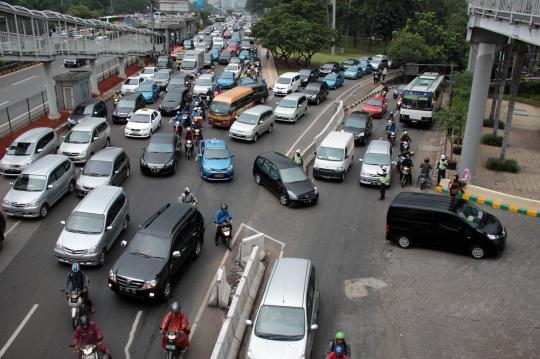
(227, 80)
(244, 55)
(366, 66)
(149, 90)
(334, 80)
(215, 55)
(353, 72)
(215, 160)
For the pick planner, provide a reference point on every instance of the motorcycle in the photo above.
(392, 138)
(424, 181)
(225, 231)
(189, 148)
(90, 351)
(77, 306)
(198, 115)
(198, 136)
(177, 127)
(171, 349)
(404, 146)
(406, 176)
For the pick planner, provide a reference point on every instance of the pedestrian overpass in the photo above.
(492, 23)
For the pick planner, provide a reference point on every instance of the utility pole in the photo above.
(152, 2)
(333, 50)
(112, 8)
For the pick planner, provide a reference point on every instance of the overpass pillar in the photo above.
(167, 41)
(473, 52)
(93, 78)
(51, 91)
(140, 60)
(483, 65)
(122, 67)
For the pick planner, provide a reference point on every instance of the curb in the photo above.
(491, 203)
(372, 93)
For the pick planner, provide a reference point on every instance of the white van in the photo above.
(291, 108)
(334, 156)
(287, 83)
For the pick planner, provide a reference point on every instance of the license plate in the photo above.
(154, 169)
(219, 175)
(413, 121)
(127, 290)
(170, 347)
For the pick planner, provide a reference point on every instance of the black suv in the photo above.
(330, 67)
(86, 109)
(148, 267)
(316, 92)
(284, 178)
(359, 123)
(308, 75)
(161, 155)
(74, 62)
(260, 91)
(127, 106)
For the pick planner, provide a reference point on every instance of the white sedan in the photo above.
(233, 68)
(143, 123)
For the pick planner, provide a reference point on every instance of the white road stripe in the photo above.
(12, 227)
(19, 82)
(132, 333)
(18, 330)
(3, 103)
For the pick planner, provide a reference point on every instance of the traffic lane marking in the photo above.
(3, 103)
(132, 334)
(12, 228)
(20, 82)
(18, 330)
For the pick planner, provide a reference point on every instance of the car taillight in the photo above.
(387, 232)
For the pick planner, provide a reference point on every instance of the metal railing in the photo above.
(513, 10)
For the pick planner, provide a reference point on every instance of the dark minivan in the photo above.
(148, 267)
(127, 106)
(284, 178)
(260, 91)
(87, 109)
(359, 123)
(316, 92)
(443, 222)
(308, 75)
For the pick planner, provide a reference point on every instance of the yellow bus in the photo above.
(229, 104)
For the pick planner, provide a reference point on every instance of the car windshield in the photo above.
(355, 122)
(140, 118)
(220, 108)
(97, 168)
(204, 82)
(328, 66)
(348, 62)
(470, 213)
(177, 81)
(292, 175)
(287, 103)
(216, 154)
(148, 71)
(127, 104)
(161, 76)
(304, 73)
(173, 96)
(416, 102)
(227, 75)
(146, 87)
(374, 102)
(78, 137)
(330, 76)
(311, 89)
(83, 110)
(149, 247)
(160, 147)
(353, 69)
(280, 323)
(330, 154)
(86, 223)
(132, 82)
(21, 148)
(188, 64)
(31, 183)
(248, 118)
(231, 68)
(364, 63)
(377, 159)
(284, 80)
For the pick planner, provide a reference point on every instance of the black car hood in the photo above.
(157, 158)
(300, 188)
(353, 130)
(138, 267)
(170, 103)
(123, 110)
(78, 117)
(491, 225)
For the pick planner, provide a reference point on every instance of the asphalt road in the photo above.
(343, 235)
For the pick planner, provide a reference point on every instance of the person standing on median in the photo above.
(441, 169)
(384, 72)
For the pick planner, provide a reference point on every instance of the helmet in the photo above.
(224, 207)
(118, 92)
(187, 190)
(391, 113)
(189, 128)
(405, 132)
(84, 321)
(426, 160)
(384, 169)
(443, 157)
(75, 267)
(298, 151)
(341, 335)
(177, 112)
(175, 307)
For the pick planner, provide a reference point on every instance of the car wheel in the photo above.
(318, 100)
(128, 172)
(71, 187)
(271, 128)
(167, 290)
(108, 142)
(258, 179)
(283, 199)
(342, 178)
(44, 210)
(102, 257)
(404, 241)
(255, 137)
(477, 252)
(198, 249)
(263, 100)
(125, 224)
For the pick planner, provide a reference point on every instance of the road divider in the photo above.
(18, 330)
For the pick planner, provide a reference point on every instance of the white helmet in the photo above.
(384, 168)
(298, 151)
(443, 157)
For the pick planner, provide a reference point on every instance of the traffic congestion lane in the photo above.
(120, 313)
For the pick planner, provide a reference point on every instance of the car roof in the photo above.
(336, 139)
(377, 97)
(258, 110)
(88, 102)
(430, 201)
(358, 114)
(214, 143)
(44, 164)
(107, 154)
(33, 135)
(379, 146)
(162, 138)
(206, 76)
(316, 84)
(144, 111)
(289, 74)
(295, 96)
(89, 123)
(286, 286)
(278, 159)
(165, 220)
(98, 199)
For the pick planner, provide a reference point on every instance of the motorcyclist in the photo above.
(176, 321)
(425, 170)
(339, 341)
(88, 333)
(217, 89)
(221, 217)
(189, 135)
(407, 162)
(384, 89)
(79, 281)
(187, 120)
(298, 159)
(405, 137)
(117, 96)
(442, 165)
(187, 197)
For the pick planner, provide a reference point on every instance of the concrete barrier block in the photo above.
(247, 245)
(221, 291)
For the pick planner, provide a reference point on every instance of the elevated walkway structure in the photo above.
(492, 24)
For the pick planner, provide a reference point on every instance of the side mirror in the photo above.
(315, 153)
(63, 223)
(50, 186)
(360, 160)
(116, 172)
(347, 156)
(314, 327)
(232, 155)
(124, 243)
(176, 254)
(95, 112)
(39, 150)
(109, 228)
(261, 121)
(63, 136)
(95, 138)
(249, 323)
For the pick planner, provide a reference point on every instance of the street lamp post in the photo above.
(152, 28)
(333, 50)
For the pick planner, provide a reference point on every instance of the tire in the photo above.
(404, 241)
(71, 187)
(477, 252)
(44, 210)
(318, 100)
(74, 323)
(258, 179)
(198, 249)
(403, 181)
(283, 199)
(255, 137)
(125, 224)
(271, 128)
(342, 178)
(128, 172)
(108, 142)
(263, 100)
(167, 290)
(102, 258)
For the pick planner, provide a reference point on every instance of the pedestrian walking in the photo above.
(441, 169)
(375, 77)
(454, 187)
(384, 72)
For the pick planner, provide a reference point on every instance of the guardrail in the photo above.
(527, 11)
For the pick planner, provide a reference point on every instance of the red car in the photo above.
(227, 35)
(376, 106)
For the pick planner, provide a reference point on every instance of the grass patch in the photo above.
(507, 165)
(491, 140)
(532, 100)
(489, 123)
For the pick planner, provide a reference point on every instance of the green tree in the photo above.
(82, 11)
(407, 47)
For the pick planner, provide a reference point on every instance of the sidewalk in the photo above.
(269, 71)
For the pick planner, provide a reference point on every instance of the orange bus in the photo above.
(228, 105)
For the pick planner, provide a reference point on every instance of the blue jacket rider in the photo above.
(222, 216)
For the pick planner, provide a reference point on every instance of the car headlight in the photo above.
(112, 276)
(130, 114)
(206, 168)
(6, 201)
(291, 194)
(82, 154)
(128, 128)
(339, 169)
(170, 163)
(493, 236)
(316, 189)
(250, 354)
(361, 134)
(58, 246)
(92, 250)
(32, 204)
(230, 168)
(150, 284)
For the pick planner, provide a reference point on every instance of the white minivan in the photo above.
(334, 156)
(291, 107)
(287, 83)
